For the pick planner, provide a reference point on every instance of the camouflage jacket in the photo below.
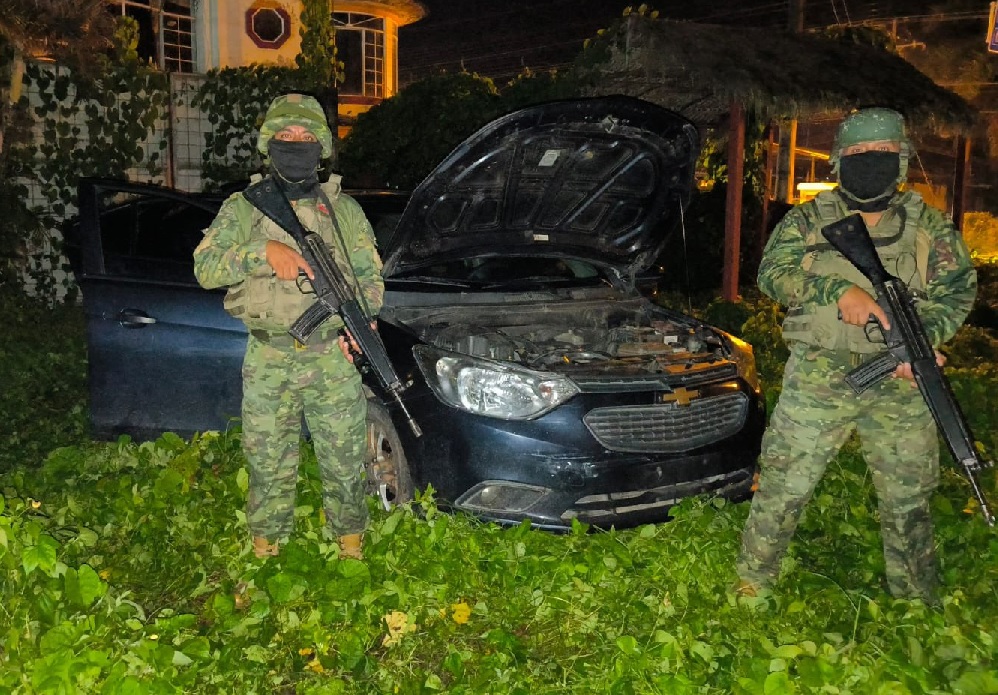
(233, 254)
(943, 302)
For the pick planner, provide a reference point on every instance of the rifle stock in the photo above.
(333, 295)
(907, 341)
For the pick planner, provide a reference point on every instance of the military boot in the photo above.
(743, 587)
(264, 548)
(350, 546)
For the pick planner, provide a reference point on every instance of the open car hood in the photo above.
(601, 180)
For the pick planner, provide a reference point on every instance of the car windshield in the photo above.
(509, 272)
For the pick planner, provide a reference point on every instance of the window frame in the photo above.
(169, 54)
(372, 32)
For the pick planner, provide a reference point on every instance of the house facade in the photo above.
(186, 39)
(195, 36)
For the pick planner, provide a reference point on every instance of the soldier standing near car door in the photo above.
(283, 380)
(830, 304)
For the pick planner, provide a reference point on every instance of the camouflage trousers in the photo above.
(280, 384)
(816, 413)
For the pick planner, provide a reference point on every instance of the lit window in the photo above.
(360, 46)
(166, 31)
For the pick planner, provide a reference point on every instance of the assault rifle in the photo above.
(333, 294)
(907, 341)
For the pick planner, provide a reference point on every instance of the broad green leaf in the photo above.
(197, 648)
(703, 650)
(41, 555)
(663, 636)
(242, 480)
(874, 609)
(87, 538)
(392, 522)
(809, 673)
(284, 588)
(90, 585)
(787, 651)
(796, 607)
(915, 653)
(977, 683)
(304, 510)
(628, 645)
(778, 683)
(169, 483)
(61, 637)
(256, 653)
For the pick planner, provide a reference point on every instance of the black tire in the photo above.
(388, 475)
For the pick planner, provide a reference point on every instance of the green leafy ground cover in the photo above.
(125, 568)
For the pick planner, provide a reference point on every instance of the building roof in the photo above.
(402, 11)
(698, 69)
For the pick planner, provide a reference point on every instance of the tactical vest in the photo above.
(263, 301)
(903, 247)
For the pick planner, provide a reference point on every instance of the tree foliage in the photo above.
(70, 32)
(317, 57)
(316, 60)
(397, 142)
(384, 149)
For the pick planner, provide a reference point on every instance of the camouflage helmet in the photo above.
(872, 125)
(296, 109)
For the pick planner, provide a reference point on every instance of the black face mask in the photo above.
(869, 177)
(296, 164)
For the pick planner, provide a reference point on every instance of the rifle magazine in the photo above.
(872, 372)
(306, 324)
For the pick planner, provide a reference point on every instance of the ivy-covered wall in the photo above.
(115, 125)
(234, 101)
(191, 132)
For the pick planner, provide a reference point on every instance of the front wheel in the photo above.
(388, 474)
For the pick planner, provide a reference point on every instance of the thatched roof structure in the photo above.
(698, 69)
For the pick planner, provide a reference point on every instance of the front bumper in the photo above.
(552, 470)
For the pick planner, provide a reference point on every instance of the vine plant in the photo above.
(235, 100)
(102, 125)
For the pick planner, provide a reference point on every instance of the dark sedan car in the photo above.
(546, 386)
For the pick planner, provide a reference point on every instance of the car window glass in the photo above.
(384, 213)
(151, 237)
(384, 225)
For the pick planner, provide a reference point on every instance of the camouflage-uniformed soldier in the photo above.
(829, 304)
(283, 380)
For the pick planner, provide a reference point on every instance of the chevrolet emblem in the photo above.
(680, 396)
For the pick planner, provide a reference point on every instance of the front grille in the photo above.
(669, 427)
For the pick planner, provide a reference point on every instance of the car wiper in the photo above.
(539, 281)
(432, 280)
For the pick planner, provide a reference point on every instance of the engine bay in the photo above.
(633, 339)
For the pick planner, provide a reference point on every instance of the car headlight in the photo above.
(489, 388)
(744, 357)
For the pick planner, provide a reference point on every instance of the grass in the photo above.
(125, 568)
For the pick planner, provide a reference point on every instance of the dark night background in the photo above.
(500, 39)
